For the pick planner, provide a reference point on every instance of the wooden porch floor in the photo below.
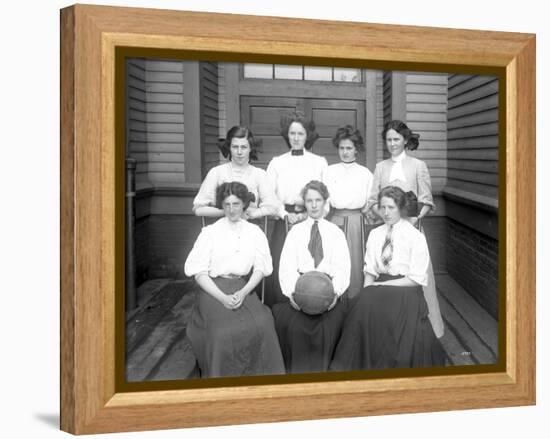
(157, 347)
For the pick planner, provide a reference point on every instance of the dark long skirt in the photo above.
(388, 327)
(307, 342)
(273, 293)
(236, 342)
(351, 222)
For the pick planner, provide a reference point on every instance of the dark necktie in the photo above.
(387, 248)
(297, 152)
(315, 245)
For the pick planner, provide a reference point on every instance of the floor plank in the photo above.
(158, 348)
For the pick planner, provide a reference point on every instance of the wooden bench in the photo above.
(157, 347)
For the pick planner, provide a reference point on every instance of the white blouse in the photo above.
(290, 173)
(397, 172)
(349, 185)
(410, 252)
(225, 249)
(254, 178)
(296, 258)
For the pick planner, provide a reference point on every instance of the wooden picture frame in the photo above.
(90, 398)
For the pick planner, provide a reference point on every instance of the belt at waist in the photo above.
(229, 284)
(346, 212)
(383, 277)
(294, 208)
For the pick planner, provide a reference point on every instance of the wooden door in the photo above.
(263, 114)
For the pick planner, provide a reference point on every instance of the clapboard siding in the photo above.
(136, 115)
(209, 95)
(379, 115)
(473, 134)
(156, 121)
(222, 101)
(426, 103)
(386, 111)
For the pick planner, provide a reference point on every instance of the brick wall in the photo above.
(472, 260)
(141, 239)
(171, 238)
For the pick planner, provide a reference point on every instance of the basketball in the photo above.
(314, 292)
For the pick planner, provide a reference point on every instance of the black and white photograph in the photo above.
(118, 251)
(291, 219)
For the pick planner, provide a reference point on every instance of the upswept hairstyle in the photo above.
(309, 126)
(234, 188)
(240, 132)
(348, 132)
(396, 194)
(411, 139)
(315, 185)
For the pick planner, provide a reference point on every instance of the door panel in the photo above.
(263, 114)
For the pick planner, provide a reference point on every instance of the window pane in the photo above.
(347, 75)
(318, 73)
(263, 71)
(288, 72)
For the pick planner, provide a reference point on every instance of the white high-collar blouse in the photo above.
(227, 249)
(349, 185)
(410, 258)
(296, 258)
(290, 173)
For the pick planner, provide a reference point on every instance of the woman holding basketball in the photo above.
(313, 246)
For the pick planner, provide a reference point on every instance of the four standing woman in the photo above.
(233, 334)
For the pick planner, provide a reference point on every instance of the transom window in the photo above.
(301, 73)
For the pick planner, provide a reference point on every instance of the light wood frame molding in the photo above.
(89, 38)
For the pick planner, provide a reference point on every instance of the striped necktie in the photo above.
(387, 248)
(315, 245)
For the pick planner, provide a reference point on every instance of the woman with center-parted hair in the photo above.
(288, 173)
(411, 175)
(240, 146)
(232, 333)
(349, 184)
(387, 324)
(318, 246)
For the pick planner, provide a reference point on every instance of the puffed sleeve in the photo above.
(424, 185)
(273, 177)
(268, 202)
(341, 264)
(288, 265)
(207, 192)
(369, 179)
(324, 170)
(375, 185)
(370, 255)
(420, 259)
(262, 255)
(199, 258)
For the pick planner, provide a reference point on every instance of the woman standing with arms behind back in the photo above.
(411, 175)
(289, 173)
(349, 185)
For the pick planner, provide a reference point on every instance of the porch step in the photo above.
(471, 333)
(156, 336)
